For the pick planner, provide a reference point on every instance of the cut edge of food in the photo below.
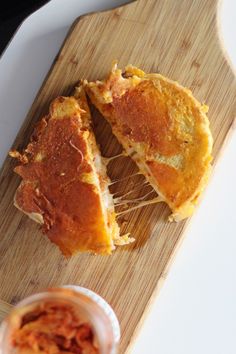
(102, 93)
(102, 181)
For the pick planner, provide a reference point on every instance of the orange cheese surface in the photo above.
(163, 127)
(58, 181)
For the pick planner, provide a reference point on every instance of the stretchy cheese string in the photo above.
(147, 202)
(120, 201)
(136, 189)
(106, 160)
(124, 178)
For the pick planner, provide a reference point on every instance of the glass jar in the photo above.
(89, 306)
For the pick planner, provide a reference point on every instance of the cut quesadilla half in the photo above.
(64, 183)
(163, 128)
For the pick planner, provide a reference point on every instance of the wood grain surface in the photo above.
(5, 308)
(179, 39)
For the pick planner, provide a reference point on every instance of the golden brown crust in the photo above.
(164, 128)
(59, 182)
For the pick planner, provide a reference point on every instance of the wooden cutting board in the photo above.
(179, 39)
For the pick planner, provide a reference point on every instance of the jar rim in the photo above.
(103, 304)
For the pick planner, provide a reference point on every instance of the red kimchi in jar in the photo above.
(58, 321)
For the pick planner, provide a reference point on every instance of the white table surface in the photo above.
(195, 311)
